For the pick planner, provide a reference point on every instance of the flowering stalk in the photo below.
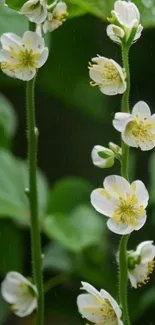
(33, 199)
(123, 267)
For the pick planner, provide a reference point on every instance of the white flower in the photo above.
(20, 293)
(35, 10)
(108, 75)
(140, 263)
(123, 203)
(102, 157)
(21, 57)
(137, 128)
(98, 306)
(56, 18)
(125, 22)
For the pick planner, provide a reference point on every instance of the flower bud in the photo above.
(125, 23)
(102, 157)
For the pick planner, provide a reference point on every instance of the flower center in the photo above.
(110, 73)
(128, 210)
(142, 130)
(104, 311)
(27, 59)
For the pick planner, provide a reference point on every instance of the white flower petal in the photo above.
(138, 33)
(11, 40)
(141, 221)
(142, 109)
(102, 204)
(33, 41)
(138, 274)
(90, 289)
(127, 13)
(119, 228)
(10, 286)
(25, 74)
(86, 301)
(146, 250)
(43, 57)
(36, 14)
(132, 279)
(141, 193)
(128, 137)
(117, 186)
(121, 120)
(25, 306)
(113, 31)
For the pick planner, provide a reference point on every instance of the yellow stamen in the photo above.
(127, 212)
(103, 310)
(151, 266)
(141, 129)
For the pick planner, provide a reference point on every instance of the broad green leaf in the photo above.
(11, 250)
(7, 117)
(67, 194)
(9, 17)
(56, 258)
(14, 180)
(81, 229)
(101, 8)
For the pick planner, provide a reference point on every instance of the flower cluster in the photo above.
(50, 17)
(124, 203)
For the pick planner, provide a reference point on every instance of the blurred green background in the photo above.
(72, 117)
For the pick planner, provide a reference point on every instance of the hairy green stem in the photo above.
(123, 267)
(33, 200)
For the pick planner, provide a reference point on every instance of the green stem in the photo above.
(123, 267)
(33, 199)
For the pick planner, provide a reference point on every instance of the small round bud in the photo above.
(102, 157)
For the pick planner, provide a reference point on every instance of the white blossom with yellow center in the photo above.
(98, 306)
(20, 293)
(35, 10)
(125, 21)
(21, 57)
(137, 128)
(55, 18)
(107, 75)
(123, 203)
(141, 263)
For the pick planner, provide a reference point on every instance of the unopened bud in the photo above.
(102, 157)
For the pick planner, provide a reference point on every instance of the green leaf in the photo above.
(102, 9)
(8, 120)
(11, 252)
(9, 17)
(81, 229)
(67, 194)
(14, 180)
(4, 310)
(56, 258)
